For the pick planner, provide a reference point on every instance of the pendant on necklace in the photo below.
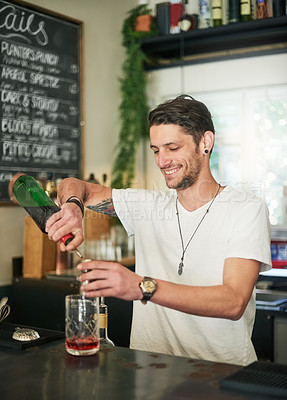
(180, 267)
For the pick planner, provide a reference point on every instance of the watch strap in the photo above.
(146, 297)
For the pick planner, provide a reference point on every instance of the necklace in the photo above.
(181, 265)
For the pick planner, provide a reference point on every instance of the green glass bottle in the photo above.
(233, 11)
(36, 202)
(245, 10)
(216, 6)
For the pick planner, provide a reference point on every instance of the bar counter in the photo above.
(48, 372)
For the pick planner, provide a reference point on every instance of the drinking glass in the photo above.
(82, 325)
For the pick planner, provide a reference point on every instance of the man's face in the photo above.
(176, 155)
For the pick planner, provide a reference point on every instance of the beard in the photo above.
(191, 176)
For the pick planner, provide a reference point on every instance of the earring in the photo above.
(206, 151)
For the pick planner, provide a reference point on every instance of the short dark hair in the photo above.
(192, 115)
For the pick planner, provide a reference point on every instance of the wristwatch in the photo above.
(148, 287)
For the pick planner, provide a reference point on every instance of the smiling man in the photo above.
(177, 176)
(199, 248)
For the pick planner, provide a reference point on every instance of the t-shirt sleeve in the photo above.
(250, 236)
(123, 200)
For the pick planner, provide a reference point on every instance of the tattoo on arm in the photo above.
(105, 207)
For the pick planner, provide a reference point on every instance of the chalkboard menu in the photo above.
(40, 94)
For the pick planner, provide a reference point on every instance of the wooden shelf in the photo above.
(244, 39)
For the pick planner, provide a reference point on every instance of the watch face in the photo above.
(149, 286)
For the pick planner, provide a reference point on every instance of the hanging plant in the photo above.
(133, 108)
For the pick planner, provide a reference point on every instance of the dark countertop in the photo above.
(48, 372)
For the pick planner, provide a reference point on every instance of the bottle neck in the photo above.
(103, 323)
(103, 310)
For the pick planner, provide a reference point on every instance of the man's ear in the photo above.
(207, 142)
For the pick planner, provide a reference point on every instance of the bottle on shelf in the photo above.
(42, 179)
(51, 187)
(245, 10)
(105, 342)
(105, 177)
(92, 178)
(205, 20)
(279, 8)
(261, 9)
(233, 11)
(216, 6)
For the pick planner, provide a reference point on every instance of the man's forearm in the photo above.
(220, 301)
(228, 300)
(94, 196)
(72, 187)
(104, 207)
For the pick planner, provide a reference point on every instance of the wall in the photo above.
(103, 56)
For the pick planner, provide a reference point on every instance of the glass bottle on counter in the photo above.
(105, 342)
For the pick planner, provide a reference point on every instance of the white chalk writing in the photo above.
(26, 53)
(19, 22)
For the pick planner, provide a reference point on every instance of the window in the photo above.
(251, 142)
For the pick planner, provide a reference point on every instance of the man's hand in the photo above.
(67, 220)
(109, 279)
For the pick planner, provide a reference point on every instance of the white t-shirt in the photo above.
(236, 225)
